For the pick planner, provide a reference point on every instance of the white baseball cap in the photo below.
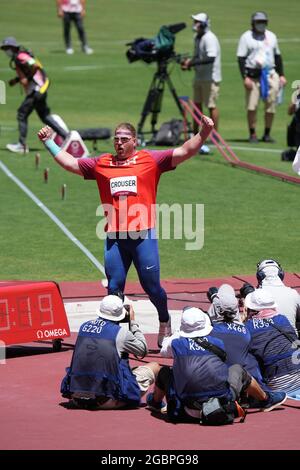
(201, 17)
(111, 308)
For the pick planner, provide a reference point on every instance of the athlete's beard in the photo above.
(121, 156)
(124, 155)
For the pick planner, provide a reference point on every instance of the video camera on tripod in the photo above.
(159, 48)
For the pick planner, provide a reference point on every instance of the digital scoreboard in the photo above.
(32, 311)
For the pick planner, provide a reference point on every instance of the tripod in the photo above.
(153, 100)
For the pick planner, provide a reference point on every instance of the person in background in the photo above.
(228, 327)
(293, 130)
(296, 162)
(73, 11)
(274, 342)
(31, 75)
(270, 276)
(262, 72)
(207, 63)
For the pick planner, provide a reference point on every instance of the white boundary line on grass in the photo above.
(53, 217)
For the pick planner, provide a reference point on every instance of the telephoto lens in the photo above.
(126, 319)
(211, 293)
(246, 289)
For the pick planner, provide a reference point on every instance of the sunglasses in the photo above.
(123, 140)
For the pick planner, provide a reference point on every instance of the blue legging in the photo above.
(143, 252)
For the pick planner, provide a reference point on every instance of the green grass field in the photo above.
(248, 216)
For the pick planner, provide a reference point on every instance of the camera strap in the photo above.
(287, 335)
(212, 348)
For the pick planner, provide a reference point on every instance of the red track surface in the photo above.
(32, 417)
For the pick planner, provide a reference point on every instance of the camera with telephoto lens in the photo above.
(160, 48)
(246, 289)
(211, 293)
(126, 319)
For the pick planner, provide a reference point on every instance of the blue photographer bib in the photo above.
(96, 366)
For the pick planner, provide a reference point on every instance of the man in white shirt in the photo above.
(262, 72)
(207, 64)
(270, 276)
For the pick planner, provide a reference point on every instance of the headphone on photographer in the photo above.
(203, 19)
(260, 275)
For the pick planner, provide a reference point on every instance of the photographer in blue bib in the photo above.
(228, 327)
(200, 386)
(274, 342)
(100, 377)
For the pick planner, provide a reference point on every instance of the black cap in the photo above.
(9, 42)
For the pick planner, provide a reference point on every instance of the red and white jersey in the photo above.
(71, 6)
(128, 187)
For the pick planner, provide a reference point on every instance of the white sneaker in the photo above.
(88, 50)
(69, 51)
(165, 330)
(204, 150)
(17, 148)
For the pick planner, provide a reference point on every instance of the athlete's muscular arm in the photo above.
(191, 146)
(64, 159)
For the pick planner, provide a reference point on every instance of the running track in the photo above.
(33, 418)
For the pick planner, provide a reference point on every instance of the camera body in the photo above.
(246, 289)
(160, 48)
(211, 293)
(126, 319)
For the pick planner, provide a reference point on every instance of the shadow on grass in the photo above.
(32, 149)
(239, 141)
(58, 51)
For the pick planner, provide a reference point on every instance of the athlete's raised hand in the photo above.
(45, 133)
